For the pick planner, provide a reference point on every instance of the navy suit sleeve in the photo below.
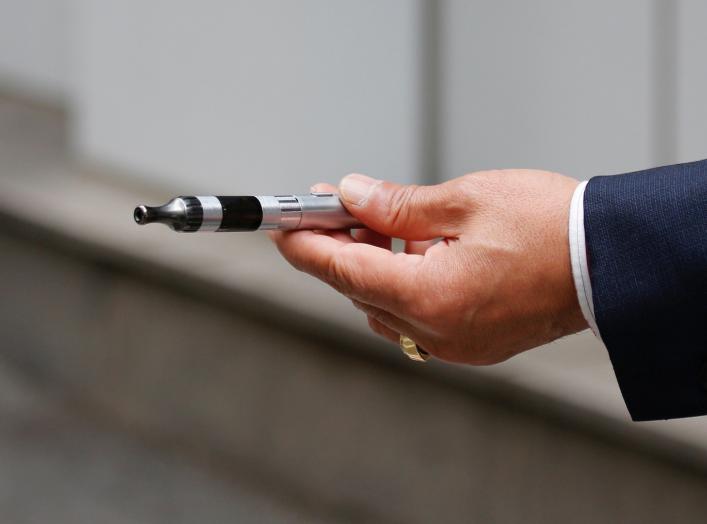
(646, 237)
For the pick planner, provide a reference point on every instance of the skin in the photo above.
(499, 281)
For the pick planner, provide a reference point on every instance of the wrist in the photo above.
(567, 316)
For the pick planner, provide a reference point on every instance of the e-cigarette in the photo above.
(190, 214)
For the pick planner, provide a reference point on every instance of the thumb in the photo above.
(404, 211)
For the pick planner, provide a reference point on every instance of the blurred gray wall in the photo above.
(36, 53)
(561, 85)
(274, 95)
(690, 88)
(246, 96)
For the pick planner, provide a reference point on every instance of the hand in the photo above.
(498, 282)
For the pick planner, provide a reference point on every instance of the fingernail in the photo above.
(356, 189)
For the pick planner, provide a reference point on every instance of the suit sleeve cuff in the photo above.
(578, 256)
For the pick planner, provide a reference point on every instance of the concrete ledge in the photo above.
(265, 374)
(328, 431)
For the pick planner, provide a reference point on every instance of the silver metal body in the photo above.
(213, 213)
(313, 211)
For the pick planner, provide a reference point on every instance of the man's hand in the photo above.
(497, 283)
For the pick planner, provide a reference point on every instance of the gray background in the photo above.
(274, 95)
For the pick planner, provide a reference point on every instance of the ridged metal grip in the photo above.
(313, 211)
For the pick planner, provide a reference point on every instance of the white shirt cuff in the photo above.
(578, 256)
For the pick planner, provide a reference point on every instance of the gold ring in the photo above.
(412, 350)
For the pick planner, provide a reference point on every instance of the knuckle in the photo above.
(399, 206)
(468, 186)
(336, 273)
(458, 195)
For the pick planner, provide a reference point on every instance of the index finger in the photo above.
(363, 272)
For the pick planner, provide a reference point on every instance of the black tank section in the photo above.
(240, 213)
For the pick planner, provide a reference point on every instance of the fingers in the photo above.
(394, 323)
(340, 235)
(383, 330)
(323, 187)
(408, 212)
(360, 271)
(368, 236)
(413, 247)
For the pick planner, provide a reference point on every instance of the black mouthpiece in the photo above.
(144, 215)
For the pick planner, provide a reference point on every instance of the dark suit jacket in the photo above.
(646, 236)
